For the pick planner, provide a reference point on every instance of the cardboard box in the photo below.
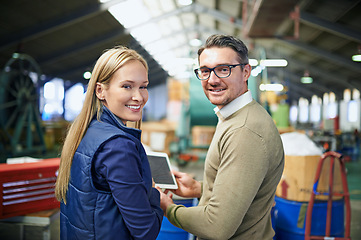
(202, 135)
(298, 178)
(158, 135)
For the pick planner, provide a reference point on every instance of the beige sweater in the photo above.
(242, 169)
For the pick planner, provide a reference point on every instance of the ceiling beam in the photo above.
(337, 59)
(63, 53)
(198, 8)
(331, 27)
(194, 28)
(218, 15)
(325, 75)
(52, 25)
(317, 88)
(254, 12)
(294, 79)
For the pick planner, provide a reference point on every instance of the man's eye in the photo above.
(206, 70)
(223, 69)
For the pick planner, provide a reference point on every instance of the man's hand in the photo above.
(187, 186)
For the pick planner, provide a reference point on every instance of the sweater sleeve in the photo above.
(240, 173)
(118, 167)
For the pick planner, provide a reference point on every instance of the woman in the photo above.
(104, 182)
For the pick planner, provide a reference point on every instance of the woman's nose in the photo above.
(137, 96)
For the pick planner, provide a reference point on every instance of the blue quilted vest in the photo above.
(88, 210)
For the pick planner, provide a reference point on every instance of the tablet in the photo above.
(161, 170)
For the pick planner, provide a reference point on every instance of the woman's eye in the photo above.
(127, 86)
(144, 87)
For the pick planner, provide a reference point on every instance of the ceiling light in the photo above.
(347, 95)
(87, 75)
(130, 13)
(257, 70)
(253, 62)
(357, 57)
(306, 79)
(355, 94)
(185, 2)
(274, 62)
(195, 42)
(326, 98)
(275, 87)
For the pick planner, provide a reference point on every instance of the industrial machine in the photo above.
(196, 113)
(20, 124)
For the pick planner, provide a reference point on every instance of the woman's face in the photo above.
(127, 92)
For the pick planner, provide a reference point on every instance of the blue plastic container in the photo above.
(170, 232)
(290, 219)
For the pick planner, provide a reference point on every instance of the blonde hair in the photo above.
(107, 64)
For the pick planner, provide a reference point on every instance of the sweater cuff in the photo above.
(171, 214)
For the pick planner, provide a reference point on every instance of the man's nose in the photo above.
(213, 78)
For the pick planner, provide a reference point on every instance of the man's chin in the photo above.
(216, 101)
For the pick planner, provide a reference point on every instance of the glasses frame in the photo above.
(212, 69)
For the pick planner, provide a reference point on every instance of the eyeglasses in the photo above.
(221, 71)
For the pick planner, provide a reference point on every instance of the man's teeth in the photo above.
(217, 90)
(133, 107)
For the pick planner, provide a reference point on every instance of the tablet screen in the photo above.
(161, 170)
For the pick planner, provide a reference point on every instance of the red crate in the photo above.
(28, 187)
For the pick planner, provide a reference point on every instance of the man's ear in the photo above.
(99, 88)
(247, 71)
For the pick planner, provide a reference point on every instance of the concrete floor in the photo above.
(11, 231)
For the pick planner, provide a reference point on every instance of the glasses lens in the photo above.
(222, 71)
(202, 73)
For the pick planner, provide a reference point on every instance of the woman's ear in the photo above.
(99, 91)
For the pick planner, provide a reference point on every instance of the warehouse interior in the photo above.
(47, 49)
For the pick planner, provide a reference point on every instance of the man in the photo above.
(245, 159)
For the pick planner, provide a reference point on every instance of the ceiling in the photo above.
(66, 37)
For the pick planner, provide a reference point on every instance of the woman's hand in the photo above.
(165, 200)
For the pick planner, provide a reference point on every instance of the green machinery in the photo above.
(197, 111)
(20, 124)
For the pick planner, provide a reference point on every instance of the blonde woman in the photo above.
(104, 182)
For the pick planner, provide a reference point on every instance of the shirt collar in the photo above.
(233, 106)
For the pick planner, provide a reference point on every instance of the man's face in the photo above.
(221, 91)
